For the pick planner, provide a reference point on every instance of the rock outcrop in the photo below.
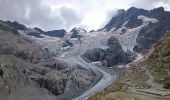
(77, 33)
(114, 55)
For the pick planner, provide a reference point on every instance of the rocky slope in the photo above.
(27, 73)
(159, 61)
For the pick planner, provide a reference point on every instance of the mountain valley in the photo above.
(127, 59)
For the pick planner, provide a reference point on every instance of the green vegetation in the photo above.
(119, 91)
(159, 61)
(103, 95)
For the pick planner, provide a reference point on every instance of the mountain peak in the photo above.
(121, 11)
(159, 9)
(131, 17)
(39, 30)
(78, 29)
(56, 33)
(77, 32)
(16, 25)
(132, 9)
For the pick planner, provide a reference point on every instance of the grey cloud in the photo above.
(66, 15)
(42, 16)
(150, 4)
(11, 10)
(31, 13)
(147, 4)
(70, 16)
(110, 14)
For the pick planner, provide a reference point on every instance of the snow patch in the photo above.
(147, 19)
(139, 57)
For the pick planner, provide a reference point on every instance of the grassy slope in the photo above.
(137, 77)
(159, 61)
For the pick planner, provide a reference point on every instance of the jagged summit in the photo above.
(121, 11)
(77, 32)
(16, 25)
(78, 29)
(131, 17)
(39, 30)
(56, 33)
(159, 9)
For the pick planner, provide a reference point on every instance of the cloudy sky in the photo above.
(58, 14)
